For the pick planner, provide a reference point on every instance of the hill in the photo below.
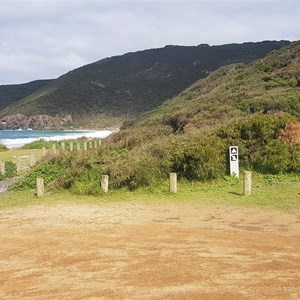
(112, 90)
(255, 107)
(14, 92)
(268, 85)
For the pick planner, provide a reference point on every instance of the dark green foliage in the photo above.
(88, 183)
(199, 158)
(260, 149)
(14, 92)
(107, 92)
(3, 148)
(134, 137)
(266, 86)
(50, 171)
(40, 144)
(275, 158)
(10, 170)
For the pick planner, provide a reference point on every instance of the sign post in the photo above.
(234, 160)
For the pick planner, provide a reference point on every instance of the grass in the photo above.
(270, 193)
(11, 154)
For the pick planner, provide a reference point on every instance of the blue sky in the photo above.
(45, 39)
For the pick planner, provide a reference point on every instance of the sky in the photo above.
(46, 39)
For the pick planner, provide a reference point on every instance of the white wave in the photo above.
(15, 143)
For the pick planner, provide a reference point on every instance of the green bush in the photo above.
(50, 171)
(39, 144)
(10, 170)
(3, 148)
(135, 171)
(200, 158)
(275, 158)
(88, 183)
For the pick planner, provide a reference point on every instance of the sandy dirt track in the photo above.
(148, 251)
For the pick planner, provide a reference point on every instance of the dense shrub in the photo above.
(3, 148)
(50, 171)
(135, 137)
(140, 157)
(10, 170)
(199, 158)
(136, 170)
(39, 144)
(275, 158)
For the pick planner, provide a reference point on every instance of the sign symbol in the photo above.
(233, 150)
(233, 157)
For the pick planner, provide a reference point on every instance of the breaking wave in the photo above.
(14, 142)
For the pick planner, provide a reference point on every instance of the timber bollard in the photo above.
(173, 182)
(78, 146)
(43, 151)
(62, 147)
(99, 143)
(84, 146)
(247, 183)
(54, 152)
(2, 167)
(19, 164)
(95, 144)
(40, 187)
(32, 160)
(104, 183)
(71, 146)
(91, 145)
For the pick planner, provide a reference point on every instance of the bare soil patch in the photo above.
(143, 251)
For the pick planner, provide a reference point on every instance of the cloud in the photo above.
(45, 39)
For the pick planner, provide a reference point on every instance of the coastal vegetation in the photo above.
(190, 135)
(3, 148)
(10, 170)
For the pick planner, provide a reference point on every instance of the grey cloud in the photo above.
(44, 39)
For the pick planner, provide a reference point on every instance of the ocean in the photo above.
(18, 138)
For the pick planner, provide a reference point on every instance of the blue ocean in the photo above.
(18, 138)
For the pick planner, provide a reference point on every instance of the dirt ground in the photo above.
(148, 251)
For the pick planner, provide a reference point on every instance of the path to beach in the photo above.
(4, 184)
(148, 251)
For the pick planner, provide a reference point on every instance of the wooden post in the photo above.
(104, 183)
(63, 147)
(84, 146)
(40, 187)
(19, 164)
(247, 183)
(2, 167)
(78, 146)
(43, 151)
(91, 145)
(71, 146)
(32, 159)
(95, 144)
(99, 142)
(173, 182)
(54, 149)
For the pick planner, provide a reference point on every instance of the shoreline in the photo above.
(19, 138)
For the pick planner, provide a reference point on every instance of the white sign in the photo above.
(234, 160)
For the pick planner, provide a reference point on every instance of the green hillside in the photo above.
(255, 107)
(268, 85)
(112, 90)
(14, 92)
